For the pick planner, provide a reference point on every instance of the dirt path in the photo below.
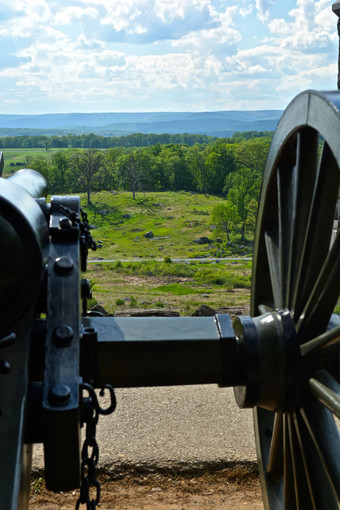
(235, 489)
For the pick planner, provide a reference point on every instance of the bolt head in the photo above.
(59, 395)
(63, 265)
(63, 335)
(5, 367)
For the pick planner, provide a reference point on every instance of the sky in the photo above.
(60, 56)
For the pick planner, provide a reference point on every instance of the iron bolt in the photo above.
(62, 335)
(5, 367)
(63, 265)
(64, 224)
(59, 395)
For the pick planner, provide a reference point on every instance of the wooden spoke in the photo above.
(301, 482)
(264, 308)
(319, 230)
(274, 268)
(322, 344)
(275, 459)
(326, 390)
(320, 490)
(325, 436)
(290, 502)
(323, 298)
(287, 190)
(306, 163)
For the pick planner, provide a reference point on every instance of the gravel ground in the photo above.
(173, 428)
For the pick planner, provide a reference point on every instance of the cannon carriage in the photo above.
(283, 361)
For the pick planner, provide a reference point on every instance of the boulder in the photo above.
(203, 240)
(99, 310)
(204, 311)
(149, 235)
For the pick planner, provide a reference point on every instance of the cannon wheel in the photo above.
(297, 267)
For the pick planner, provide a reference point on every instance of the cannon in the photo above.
(283, 360)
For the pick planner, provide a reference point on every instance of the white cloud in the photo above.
(154, 54)
(263, 7)
(73, 13)
(24, 17)
(312, 26)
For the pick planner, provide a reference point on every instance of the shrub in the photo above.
(133, 301)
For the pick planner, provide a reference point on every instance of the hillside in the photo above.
(220, 123)
(162, 226)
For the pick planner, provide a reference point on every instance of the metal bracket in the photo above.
(61, 371)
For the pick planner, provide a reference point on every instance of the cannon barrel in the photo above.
(31, 181)
(24, 238)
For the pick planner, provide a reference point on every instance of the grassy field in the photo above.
(176, 286)
(176, 221)
(20, 157)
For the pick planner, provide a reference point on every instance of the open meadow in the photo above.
(15, 159)
(163, 226)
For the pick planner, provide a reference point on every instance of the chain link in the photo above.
(86, 240)
(90, 450)
(84, 226)
(88, 466)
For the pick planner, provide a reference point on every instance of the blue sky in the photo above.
(163, 55)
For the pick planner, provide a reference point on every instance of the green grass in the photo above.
(175, 219)
(178, 286)
(175, 288)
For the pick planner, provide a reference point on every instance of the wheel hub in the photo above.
(272, 362)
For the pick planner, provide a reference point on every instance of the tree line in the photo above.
(91, 140)
(233, 170)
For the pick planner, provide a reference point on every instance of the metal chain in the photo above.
(85, 232)
(90, 450)
(88, 466)
(84, 226)
(86, 240)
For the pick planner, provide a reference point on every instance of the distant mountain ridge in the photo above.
(219, 123)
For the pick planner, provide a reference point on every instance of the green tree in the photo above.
(177, 172)
(59, 173)
(225, 217)
(41, 165)
(133, 171)
(242, 189)
(196, 160)
(253, 154)
(220, 162)
(87, 164)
